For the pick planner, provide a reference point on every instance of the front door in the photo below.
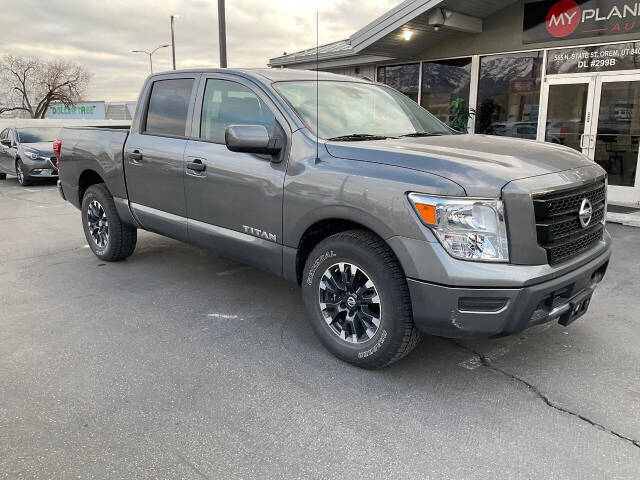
(598, 115)
(234, 200)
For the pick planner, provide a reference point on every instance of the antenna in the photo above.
(317, 89)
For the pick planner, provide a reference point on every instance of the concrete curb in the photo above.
(631, 220)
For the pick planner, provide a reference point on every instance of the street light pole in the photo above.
(150, 54)
(222, 34)
(173, 42)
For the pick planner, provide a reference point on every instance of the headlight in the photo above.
(34, 156)
(469, 229)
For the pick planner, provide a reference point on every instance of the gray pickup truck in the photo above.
(392, 224)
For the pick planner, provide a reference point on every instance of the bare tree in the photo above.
(31, 85)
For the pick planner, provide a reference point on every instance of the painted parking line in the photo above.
(233, 271)
(222, 316)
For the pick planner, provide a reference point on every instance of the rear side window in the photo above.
(229, 103)
(168, 107)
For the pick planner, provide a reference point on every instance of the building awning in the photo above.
(404, 31)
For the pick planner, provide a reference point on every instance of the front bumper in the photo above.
(478, 312)
(39, 169)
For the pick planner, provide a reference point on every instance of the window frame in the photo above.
(280, 124)
(403, 64)
(196, 130)
(423, 64)
(542, 55)
(142, 121)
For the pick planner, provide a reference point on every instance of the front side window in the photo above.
(404, 78)
(509, 94)
(443, 82)
(350, 108)
(168, 107)
(38, 134)
(4, 134)
(229, 103)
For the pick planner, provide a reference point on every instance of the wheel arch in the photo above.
(322, 229)
(87, 178)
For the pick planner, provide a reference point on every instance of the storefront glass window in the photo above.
(404, 78)
(509, 94)
(443, 82)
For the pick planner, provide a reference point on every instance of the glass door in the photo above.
(598, 115)
(615, 134)
(567, 112)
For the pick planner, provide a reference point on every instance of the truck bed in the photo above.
(91, 150)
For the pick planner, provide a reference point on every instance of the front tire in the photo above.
(23, 178)
(3, 176)
(357, 296)
(108, 236)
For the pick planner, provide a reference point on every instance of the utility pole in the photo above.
(222, 34)
(173, 42)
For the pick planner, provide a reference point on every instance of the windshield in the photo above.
(38, 134)
(357, 109)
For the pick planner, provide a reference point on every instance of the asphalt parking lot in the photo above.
(177, 363)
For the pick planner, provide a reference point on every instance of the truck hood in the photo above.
(481, 164)
(44, 149)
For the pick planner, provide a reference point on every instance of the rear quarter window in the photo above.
(168, 107)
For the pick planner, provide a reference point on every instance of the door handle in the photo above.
(582, 139)
(135, 156)
(197, 166)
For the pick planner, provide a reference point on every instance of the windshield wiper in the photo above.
(422, 134)
(355, 137)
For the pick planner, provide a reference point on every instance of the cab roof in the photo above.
(270, 74)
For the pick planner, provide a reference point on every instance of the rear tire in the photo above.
(3, 176)
(108, 236)
(23, 178)
(369, 321)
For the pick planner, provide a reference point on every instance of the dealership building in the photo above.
(562, 71)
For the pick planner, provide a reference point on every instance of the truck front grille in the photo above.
(558, 225)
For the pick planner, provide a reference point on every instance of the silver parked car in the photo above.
(27, 152)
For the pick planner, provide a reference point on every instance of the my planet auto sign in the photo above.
(565, 19)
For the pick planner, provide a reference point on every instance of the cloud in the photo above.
(101, 35)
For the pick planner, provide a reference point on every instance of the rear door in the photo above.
(154, 155)
(234, 205)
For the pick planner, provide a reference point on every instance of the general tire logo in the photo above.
(375, 348)
(316, 264)
(563, 18)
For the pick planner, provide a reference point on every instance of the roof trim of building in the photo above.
(390, 21)
(382, 26)
(341, 48)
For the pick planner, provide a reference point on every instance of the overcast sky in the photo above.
(101, 34)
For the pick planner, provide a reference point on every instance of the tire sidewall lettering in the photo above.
(318, 261)
(376, 347)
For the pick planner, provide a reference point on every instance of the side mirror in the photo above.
(6, 142)
(251, 139)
